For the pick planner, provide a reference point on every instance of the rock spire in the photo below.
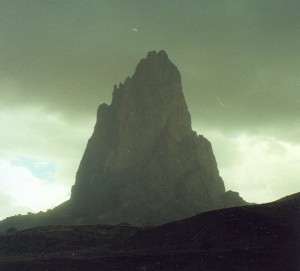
(144, 164)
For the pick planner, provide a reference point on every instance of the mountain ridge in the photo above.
(143, 152)
(143, 164)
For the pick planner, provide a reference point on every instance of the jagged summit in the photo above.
(156, 67)
(143, 164)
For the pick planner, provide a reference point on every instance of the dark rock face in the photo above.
(144, 164)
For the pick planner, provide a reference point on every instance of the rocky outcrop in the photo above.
(144, 164)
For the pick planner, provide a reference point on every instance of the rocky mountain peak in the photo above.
(156, 68)
(143, 107)
(144, 164)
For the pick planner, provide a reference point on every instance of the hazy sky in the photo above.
(59, 59)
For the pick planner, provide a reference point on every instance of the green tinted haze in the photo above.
(240, 66)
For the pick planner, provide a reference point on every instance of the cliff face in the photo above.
(144, 164)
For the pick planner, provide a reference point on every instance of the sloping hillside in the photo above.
(257, 237)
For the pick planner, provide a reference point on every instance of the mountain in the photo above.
(250, 238)
(143, 164)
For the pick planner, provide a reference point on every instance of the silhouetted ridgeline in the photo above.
(143, 164)
(248, 238)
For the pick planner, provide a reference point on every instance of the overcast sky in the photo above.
(59, 59)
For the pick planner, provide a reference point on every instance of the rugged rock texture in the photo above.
(144, 164)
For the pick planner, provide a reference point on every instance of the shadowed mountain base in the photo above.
(143, 164)
(249, 238)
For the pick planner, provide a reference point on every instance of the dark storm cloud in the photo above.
(239, 59)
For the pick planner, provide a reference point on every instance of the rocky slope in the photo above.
(249, 238)
(143, 164)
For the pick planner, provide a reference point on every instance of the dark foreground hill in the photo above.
(257, 237)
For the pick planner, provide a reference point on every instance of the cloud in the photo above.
(243, 52)
(261, 168)
(37, 133)
(239, 62)
(40, 152)
(40, 169)
(9, 207)
(21, 191)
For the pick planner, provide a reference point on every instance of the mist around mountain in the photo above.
(148, 196)
(143, 165)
